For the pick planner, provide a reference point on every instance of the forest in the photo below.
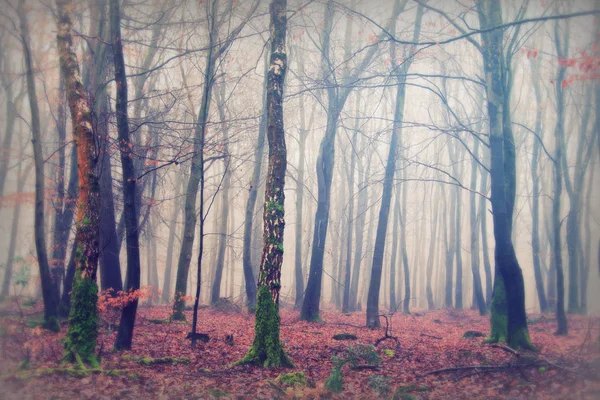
(322, 199)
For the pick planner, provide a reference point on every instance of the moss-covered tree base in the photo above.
(52, 324)
(178, 311)
(499, 311)
(266, 349)
(519, 340)
(82, 333)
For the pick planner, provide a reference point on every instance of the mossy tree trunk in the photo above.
(503, 175)
(266, 349)
(82, 331)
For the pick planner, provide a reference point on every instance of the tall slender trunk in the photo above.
(124, 337)
(166, 291)
(483, 216)
(196, 180)
(299, 274)
(249, 276)
(394, 256)
(266, 349)
(336, 98)
(359, 227)
(390, 169)
(451, 248)
(535, 198)
(407, 288)
(561, 319)
(503, 177)
(224, 187)
(431, 255)
(48, 288)
(475, 221)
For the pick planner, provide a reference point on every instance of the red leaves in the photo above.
(311, 347)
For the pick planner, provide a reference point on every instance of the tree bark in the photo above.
(48, 287)
(266, 349)
(388, 182)
(124, 337)
(82, 331)
(503, 177)
(535, 199)
(224, 187)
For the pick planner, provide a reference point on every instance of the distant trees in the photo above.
(390, 169)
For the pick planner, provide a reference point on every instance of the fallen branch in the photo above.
(387, 332)
(482, 368)
(364, 366)
(507, 349)
(431, 336)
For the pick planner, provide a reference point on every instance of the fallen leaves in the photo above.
(424, 345)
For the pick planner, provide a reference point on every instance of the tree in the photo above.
(561, 319)
(132, 280)
(48, 289)
(336, 98)
(82, 332)
(266, 349)
(509, 279)
(535, 200)
(390, 169)
(215, 50)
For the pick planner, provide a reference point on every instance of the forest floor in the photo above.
(162, 364)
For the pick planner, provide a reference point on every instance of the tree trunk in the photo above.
(249, 277)
(224, 187)
(166, 292)
(535, 198)
(431, 255)
(359, 227)
(503, 178)
(479, 299)
(266, 349)
(394, 256)
(82, 332)
(196, 179)
(299, 274)
(132, 237)
(483, 215)
(48, 287)
(388, 182)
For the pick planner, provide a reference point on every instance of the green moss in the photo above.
(389, 352)
(266, 349)
(82, 332)
(158, 321)
(273, 205)
(52, 324)
(217, 393)
(292, 379)
(520, 340)
(162, 360)
(335, 382)
(498, 316)
(380, 384)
